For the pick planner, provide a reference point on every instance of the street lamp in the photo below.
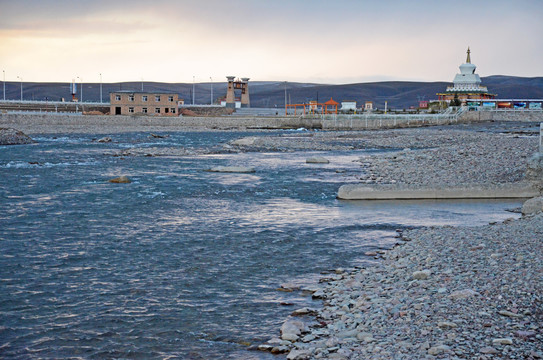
(4, 82)
(193, 95)
(100, 88)
(18, 77)
(211, 103)
(81, 85)
(285, 95)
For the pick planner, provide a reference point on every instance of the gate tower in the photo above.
(234, 85)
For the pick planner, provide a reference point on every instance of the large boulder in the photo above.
(120, 180)
(532, 206)
(292, 329)
(232, 169)
(246, 141)
(317, 160)
(9, 136)
(105, 139)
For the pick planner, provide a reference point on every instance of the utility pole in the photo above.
(285, 95)
(193, 95)
(81, 85)
(211, 103)
(18, 77)
(541, 138)
(4, 82)
(100, 88)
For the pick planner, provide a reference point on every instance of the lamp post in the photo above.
(4, 82)
(541, 138)
(100, 88)
(211, 103)
(285, 96)
(81, 85)
(18, 77)
(193, 95)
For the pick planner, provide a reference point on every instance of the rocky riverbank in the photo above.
(455, 293)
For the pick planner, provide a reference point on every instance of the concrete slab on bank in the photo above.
(365, 192)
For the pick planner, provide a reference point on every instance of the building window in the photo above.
(144, 98)
(131, 110)
(157, 98)
(157, 110)
(144, 110)
(172, 110)
(130, 97)
(170, 98)
(166, 110)
(118, 97)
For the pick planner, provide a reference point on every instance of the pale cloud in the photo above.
(267, 40)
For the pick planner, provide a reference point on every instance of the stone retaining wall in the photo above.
(226, 122)
(205, 111)
(229, 122)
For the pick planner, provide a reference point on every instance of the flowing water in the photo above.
(180, 263)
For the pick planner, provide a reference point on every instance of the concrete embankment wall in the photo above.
(365, 192)
(362, 122)
(503, 115)
(226, 122)
(373, 122)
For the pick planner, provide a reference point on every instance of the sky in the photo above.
(334, 42)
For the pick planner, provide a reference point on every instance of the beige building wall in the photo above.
(142, 103)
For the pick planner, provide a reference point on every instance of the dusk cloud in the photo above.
(341, 41)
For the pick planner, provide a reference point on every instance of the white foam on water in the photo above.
(36, 165)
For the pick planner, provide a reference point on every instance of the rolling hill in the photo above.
(398, 94)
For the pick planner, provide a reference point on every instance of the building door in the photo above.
(117, 110)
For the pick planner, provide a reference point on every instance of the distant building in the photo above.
(467, 84)
(243, 85)
(368, 106)
(330, 107)
(143, 103)
(348, 105)
(423, 104)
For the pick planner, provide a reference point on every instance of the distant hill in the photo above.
(398, 94)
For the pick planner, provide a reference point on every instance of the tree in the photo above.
(456, 101)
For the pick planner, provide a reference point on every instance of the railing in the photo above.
(34, 112)
(43, 102)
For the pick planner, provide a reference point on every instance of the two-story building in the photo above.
(143, 103)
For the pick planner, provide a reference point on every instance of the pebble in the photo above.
(488, 350)
(421, 275)
(440, 349)
(447, 325)
(463, 294)
(502, 341)
(299, 355)
(509, 314)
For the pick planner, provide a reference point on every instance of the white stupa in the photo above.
(467, 84)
